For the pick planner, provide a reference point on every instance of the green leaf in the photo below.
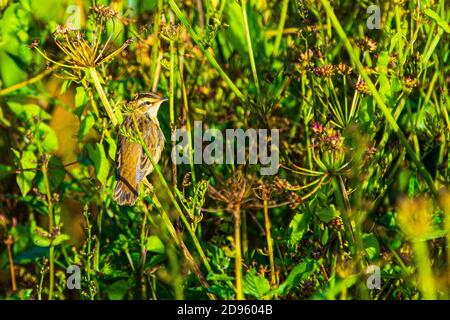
(25, 178)
(118, 290)
(81, 100)
(39, 236)
(219, 277)
(435, 234)
(112, 148)
(154, 244)
(441, 22)
(383, 61)
(325, 236)
(100, 161)
(48, 137)
(254, 285)
(371, 246)
(60, 238)
(300, 272)
(222, 291)
(86, 124)
(27, 111)
(64, 86)
(396, 85)
(413, 186)
(328, 214)
(298, 227)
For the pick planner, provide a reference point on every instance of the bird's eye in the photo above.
(147, 103)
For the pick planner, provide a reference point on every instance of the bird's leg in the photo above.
(148, 185)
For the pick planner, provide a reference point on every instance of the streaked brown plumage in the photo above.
(132, 163)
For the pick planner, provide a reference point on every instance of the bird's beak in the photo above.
(163, 99)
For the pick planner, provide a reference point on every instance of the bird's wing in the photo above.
(127, 157)
(152, 136)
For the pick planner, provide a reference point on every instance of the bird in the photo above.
(132, 163)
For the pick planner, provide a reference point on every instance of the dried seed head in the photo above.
(411, 82)
(317, 128)
(362, 87)
(306, 56)
(295, 200)
(281, 184)
(324, 71)
(344, 69)
(33, 44)
(104, 11)
(367, 44)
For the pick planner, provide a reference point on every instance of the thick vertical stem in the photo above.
(341, 204)
(143, 240)
(284, 9)
(172, 109)
(426, 280)
(238, 254)
(188, 126)
(9, 242)
(50, 231)
(95, 79)
(249, 45)
(269, 241)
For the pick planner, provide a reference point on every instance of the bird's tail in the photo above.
(125, 193)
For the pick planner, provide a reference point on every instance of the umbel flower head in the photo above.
(415, 217)
(91, 49)
(328, 147)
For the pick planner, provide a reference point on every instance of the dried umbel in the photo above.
(362, 88)
(87, 50)
(328, 147)
(367, 44)
(344, 69)
(104, 11)
(325, 71)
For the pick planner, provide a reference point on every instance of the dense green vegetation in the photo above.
(361, 189)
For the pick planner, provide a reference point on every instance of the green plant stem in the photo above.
(97, 240)
(50, 231)
(206, 52)
(238, 254)
(9, 243)
(89, 250)
(179, 241)
(248, 41)
(426, 280)
(269, 241)
(284, 9)
(98, 86)
(172, 109)
(345, 218)
(188, 126)
(40, 76)
(143, 240)
(156, 42)
(175, 270)
(382, 106)
(174, 201)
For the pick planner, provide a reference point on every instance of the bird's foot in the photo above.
(148, 186)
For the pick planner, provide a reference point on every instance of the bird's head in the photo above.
(148, 103)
